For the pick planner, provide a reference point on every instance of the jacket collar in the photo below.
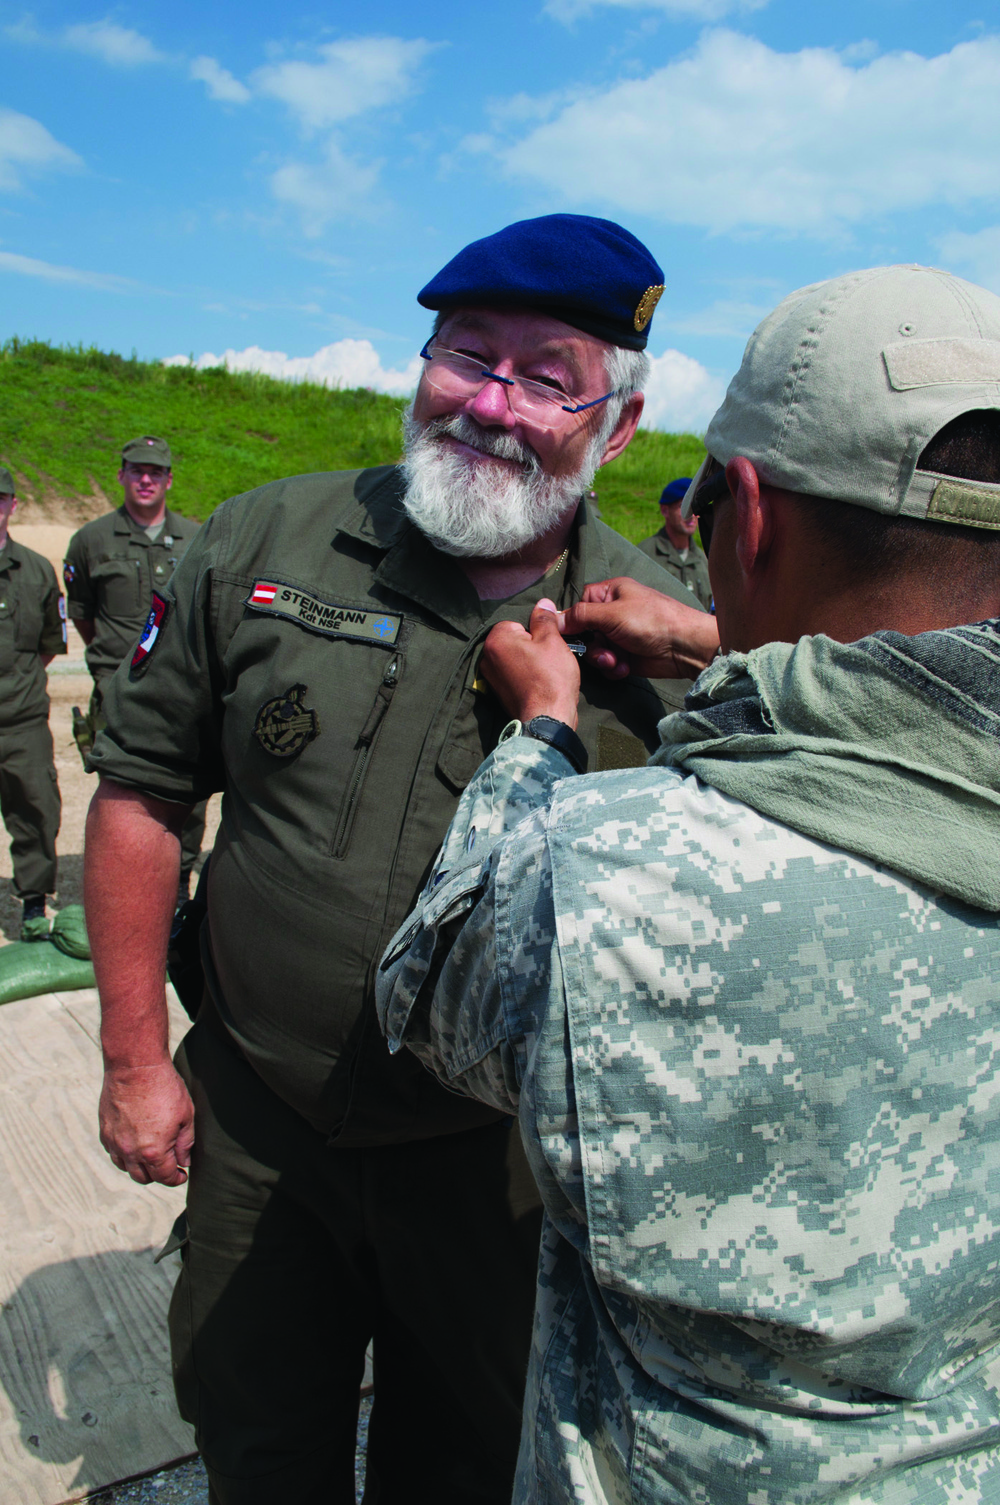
(413, 568)
(13, 554)
(126, 524)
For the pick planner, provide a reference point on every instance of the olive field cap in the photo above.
(842, 387)
(146, 450)
(7, 487)
(590, 273)
(674, 491)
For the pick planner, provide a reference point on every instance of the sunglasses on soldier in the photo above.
(711, 490)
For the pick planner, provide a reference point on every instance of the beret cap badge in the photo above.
(646, 305)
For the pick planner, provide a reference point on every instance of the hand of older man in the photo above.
(532, 671)
(641, 631)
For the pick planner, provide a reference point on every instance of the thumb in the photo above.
(544, 619)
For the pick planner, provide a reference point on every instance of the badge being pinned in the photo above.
(284, 725)
(151, 632)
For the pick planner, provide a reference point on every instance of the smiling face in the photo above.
(522, 343)
(145, 488)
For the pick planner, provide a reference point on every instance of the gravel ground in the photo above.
(187, 1485)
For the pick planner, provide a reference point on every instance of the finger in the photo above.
(185, 1144)
(588, 616)
(609, 663)
(543, 624)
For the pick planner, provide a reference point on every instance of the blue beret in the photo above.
(676, 491)
(587, 272)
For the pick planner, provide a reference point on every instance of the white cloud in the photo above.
(112, 43)
(676, 10)
(976, 255)
(28, 266)
(338, 185)
(736, 135)
(348, 363)
(681, 395)
(26, 144)
(219, 81)
(354, 76)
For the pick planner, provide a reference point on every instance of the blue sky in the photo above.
(274, 185)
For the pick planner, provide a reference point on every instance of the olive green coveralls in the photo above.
(318, 662)
(111, 570)
(692, 572)
(32, 623)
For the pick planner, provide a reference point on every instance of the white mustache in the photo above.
(490, 442)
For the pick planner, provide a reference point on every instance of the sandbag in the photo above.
(69, 932)
(28, 968)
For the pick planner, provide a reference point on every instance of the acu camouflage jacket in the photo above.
(758, 1078)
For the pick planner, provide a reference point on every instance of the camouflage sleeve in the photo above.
(442, 989)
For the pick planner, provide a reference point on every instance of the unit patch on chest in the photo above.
(284, 724)
(150, 634)
(278, 600)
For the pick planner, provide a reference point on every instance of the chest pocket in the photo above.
(116, 584)
(28, 623)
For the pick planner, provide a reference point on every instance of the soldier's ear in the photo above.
(754, 515)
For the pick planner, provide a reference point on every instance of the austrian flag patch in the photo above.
(150, 634)
(334, 619)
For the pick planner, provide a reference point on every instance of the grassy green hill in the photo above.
(66, 413)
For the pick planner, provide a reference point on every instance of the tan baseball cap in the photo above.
(842, 387)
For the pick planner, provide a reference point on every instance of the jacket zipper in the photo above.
(362, 757)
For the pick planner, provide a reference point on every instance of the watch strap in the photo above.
(560, 736)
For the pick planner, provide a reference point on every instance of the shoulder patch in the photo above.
(285, 724)
(275, 599)
(69, 572)
(150, 635)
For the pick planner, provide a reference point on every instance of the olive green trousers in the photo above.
(299, 1253)
(30, 805)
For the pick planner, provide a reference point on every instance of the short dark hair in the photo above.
(871, 545)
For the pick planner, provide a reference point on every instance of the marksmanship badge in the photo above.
(647, 303)
(284, 725)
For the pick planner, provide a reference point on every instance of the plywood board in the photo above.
(85, 1392)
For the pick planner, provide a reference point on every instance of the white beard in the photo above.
(481, 510)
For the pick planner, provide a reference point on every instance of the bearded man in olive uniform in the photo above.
(32, 632)
(112, 567)
(317, 654)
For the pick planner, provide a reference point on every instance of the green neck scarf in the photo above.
(888, 747)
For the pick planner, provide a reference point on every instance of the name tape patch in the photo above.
(150, 634)
(279, 600)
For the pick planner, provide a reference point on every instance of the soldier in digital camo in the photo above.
(744, 1000)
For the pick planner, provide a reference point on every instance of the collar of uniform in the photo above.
(13, 554)
(125, 523)
(413, 568)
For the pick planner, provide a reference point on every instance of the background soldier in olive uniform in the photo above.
(113, 565)
(674, 547)
(317, 653)
(32, 631)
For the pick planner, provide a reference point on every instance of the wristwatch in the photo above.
(556, 733)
